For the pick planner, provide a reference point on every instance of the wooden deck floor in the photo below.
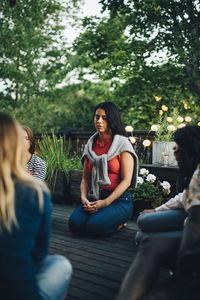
(99, 265)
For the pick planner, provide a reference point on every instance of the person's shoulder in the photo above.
(38, 159)
(123, 140)
(24, 189)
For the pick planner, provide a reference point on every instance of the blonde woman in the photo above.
(26, 272)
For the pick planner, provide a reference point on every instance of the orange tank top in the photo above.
(114, 165)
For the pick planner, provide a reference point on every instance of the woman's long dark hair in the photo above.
(188, 140)
(113, 117)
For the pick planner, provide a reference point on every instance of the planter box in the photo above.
(139, 206)
(75, 177)
(60, 192)
(163, 154)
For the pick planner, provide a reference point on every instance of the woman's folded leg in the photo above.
(53, 275)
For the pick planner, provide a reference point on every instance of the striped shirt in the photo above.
(37, 167)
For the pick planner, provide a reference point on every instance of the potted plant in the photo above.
(163, 144)
(149, 192)
(56, 151)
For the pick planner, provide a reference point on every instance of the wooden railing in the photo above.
(80, 138)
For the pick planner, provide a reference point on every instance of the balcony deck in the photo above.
(99, 264)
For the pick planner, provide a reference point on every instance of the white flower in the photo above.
(140, 180)
(165, 185)
(151, 178)
(144, 171)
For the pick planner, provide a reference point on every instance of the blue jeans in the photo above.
(166, 221)
(106, 220)
(53, 276)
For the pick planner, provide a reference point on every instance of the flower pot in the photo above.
(60, 191)
(139, 206)
(163, 154)
(75, 177)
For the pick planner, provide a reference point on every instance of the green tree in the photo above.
(171, 25)
(33, 54)
(121, 50)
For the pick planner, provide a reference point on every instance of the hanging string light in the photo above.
(181, 125)
(129, 128)
(146, 143)
(157, 98)
(180, 119)
(164, 107)
(171, 128)
(169, 119)
(154, 127)
(132, 139)
(160, 112)
(188, 119)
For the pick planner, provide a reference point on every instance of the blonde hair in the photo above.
(12, 167)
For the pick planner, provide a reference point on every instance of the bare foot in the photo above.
(122, 226)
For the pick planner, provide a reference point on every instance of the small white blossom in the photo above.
(166, 185)
(151, 178)
(144, 171)
(140, 180)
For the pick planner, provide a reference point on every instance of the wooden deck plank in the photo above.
(99, 265)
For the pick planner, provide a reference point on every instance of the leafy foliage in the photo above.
(150, 189)
(126, 50)
(56, 153)
(148, 192)
(34, 58)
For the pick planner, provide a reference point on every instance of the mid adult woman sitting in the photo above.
(35, 165)
(26, 272)
(110, 165)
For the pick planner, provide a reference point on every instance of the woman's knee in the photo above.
(95, 228)
(144, 221)
(75, 226)
(63, 265)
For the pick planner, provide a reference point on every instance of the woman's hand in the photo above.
(85, 202)
(87, 205)
(147, 211)
(96, 205)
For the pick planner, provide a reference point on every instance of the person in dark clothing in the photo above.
(27, 272)
(180, 252)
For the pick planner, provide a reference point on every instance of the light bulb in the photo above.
(171, 128)
(188, 119)
(169, 119)
(164, 107)
(132, 139)
(154, 127)
(146, 143)
(129, 128)
(181, 125)
(180, 119)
